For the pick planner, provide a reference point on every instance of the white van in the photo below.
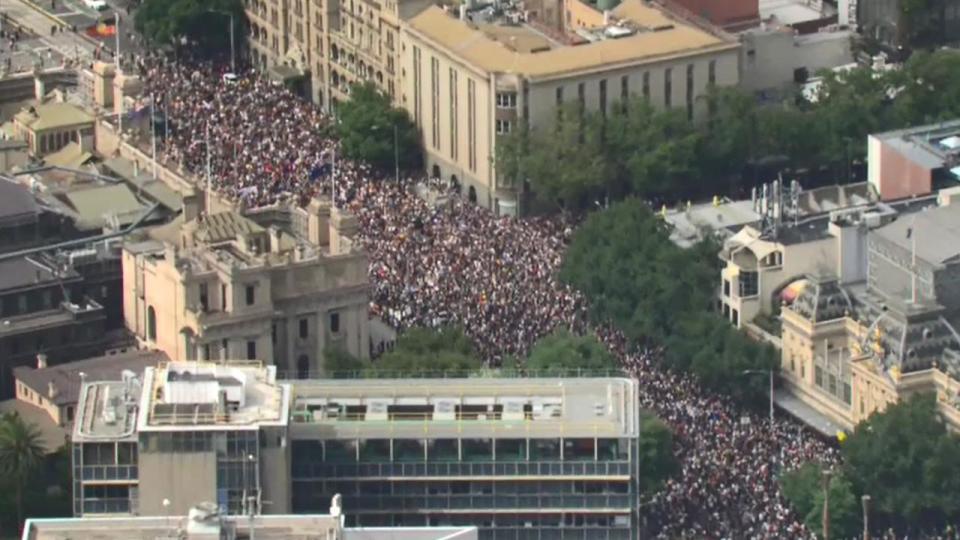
(98, 5)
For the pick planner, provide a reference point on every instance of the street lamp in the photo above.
(233, 50)
(865, 499)
(826, 503)
(763, 372)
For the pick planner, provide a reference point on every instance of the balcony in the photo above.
(483, 502)
(305, 471)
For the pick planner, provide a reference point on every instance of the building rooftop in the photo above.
(25, 272)
(204, 523)
(794, 11)
(931, 146)
(482, 407)
(95, 205)
(652, 36)
(200, 395)
(935, 232)
(107, 410)
(53, 115)
(15, 200)
(52, 435)
(65, 379)
(155, 189)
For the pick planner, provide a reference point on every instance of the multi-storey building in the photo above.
(224, 286)
(889, 23)
(468, 79)
(852, 347)
(365, 46)
(532, 458)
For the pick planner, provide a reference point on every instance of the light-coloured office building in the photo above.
(205, 522)
(279, 286)
(531, 458)
(469, 76)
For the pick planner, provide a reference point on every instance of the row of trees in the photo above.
(659, 294)
(637, 149)
(164, 23)
(903, 458)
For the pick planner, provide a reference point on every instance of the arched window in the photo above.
(151, 324)
(472, 195)
(436, 171)
(303, 367)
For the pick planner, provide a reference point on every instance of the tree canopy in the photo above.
(165, 22)
(657, 293)
(420, 352)
(563, 352)
(634, 149)
(366, 124)
(803, 487)
(21, 456)
(655, 456)
(909, 464)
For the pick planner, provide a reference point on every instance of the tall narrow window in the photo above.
(712, 72)
(624, 88)
(251, 350)
(603, 97)
(668, 87)
(334, 323)
(453, 114)
(472, 124)
(646, 85)
(435, 101)
(689, 91)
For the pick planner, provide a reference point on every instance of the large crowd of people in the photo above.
(433, 265)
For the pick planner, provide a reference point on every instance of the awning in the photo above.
(813, 418)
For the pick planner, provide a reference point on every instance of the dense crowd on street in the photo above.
(495, 276)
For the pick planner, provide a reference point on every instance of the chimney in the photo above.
(41, 361)
(318, 221)
(343, 227)
(52, 391)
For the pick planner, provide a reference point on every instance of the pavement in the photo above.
(53, 23)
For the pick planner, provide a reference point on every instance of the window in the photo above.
(582, 95)
(603, 97)
(735, 317)
(559, 96)
(506, 100)
(151, 324)
(689, 91)
(251, 350)
(749, 284)
(712, 72)
(668, 88)
(624, 89)
(726, 287)
(70, 413)
(503, 127)
(646, 85)
(472, 124)
(818, 376)
(847, 398)
(453, 114)
(304, 328)
(203, 297)
(223, 297)
(334, 323)
(435, 101)
(251, 295)
(224, 348)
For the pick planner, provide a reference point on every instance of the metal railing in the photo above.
(481, 502)
(484, 373)
(326, 470)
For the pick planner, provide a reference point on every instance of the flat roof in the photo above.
(258, 399)
(934, 232)
(52, 435)
(25, 271)
(279, 527)
(466, 41)
(94, 204)
(16, 200)
(790, 11)
(548, 407)
(107, 411)
(688, 224)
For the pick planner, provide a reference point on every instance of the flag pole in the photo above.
(153, 133)
(333, 178)
(913, 261)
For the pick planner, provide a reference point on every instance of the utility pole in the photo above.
(117, 60)
(153, 133)
(826, 504)
(233, 50)
(209, 183)
(865, 499)
(771, 398)
(396, 154)
(333, 178)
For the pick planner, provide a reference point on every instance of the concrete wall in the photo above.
(186, 478)
(892, 174)
(724, 13)
(771, 55)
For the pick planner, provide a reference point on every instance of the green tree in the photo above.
(367, 123)
(564, 352)
(655, 455)
(165, 22)
(340, 363)
(623, 261)
(425, 351)
(930, 88)
(803, 488)
(21, 453)
(909, 464)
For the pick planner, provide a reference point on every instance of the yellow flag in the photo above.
(841, 436)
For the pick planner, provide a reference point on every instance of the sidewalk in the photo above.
(67, 43)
